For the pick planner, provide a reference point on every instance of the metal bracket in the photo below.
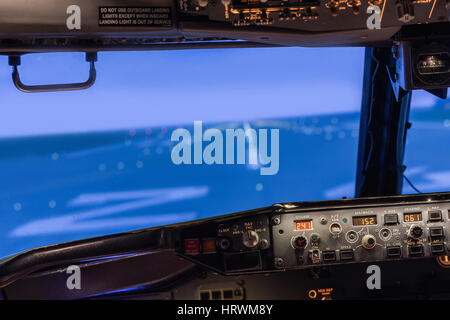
(15, 60)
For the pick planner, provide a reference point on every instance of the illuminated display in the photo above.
(413, 217)
(365, 221)
(444, 261)
(303, 225)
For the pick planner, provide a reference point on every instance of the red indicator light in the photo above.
(191, 246)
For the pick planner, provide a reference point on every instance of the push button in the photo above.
(346, 255)
(329, 256)
(394, 252)
(435, 216)
(391, 218)
(415, 250)
(437, 248)
(436, 232)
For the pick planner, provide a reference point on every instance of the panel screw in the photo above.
(279, 263)
(323, 220)
(276, 220)
(264, 244)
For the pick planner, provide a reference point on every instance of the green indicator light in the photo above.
(344, 220)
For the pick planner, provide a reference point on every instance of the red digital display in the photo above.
(413, 217)
(303, 225)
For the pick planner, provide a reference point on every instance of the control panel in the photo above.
(315, 15)
(305, 235)
(360, 235)
(97, 25)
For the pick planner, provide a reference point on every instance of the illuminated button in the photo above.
(434, 216)
(209, 245)
(191, 246)
(202, 3)
(312, 294)
(391, 218)
(444, 261)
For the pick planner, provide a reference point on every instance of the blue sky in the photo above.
(138, 89)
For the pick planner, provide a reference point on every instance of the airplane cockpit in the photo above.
(374, 234)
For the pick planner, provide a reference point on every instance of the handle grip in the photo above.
(14, 61)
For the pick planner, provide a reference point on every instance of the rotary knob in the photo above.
(369, 242)
(299, 242)
(415, 232)
(250, 238)
(315, 240)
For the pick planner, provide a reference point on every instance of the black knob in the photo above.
(315, 240)
(300, 242)
(415, 232)
(223, 243)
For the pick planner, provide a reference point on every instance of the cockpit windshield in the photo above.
(132, 152)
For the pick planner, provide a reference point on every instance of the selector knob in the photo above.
(315, 240)
(415, 232)
(369, 241)
(250, 238)
(299, 242)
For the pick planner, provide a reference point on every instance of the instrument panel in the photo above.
(306, 250)
(296, 236)
(360, 235)
(112, 24)
(316, 15)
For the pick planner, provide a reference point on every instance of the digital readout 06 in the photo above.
(365, 221)
(303, 225)
(412, 217)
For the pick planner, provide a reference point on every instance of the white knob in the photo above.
(369, 241)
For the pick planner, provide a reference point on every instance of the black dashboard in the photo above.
(306, 250)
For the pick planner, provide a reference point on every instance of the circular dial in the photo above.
(335, 228)
(351, 236)
(415, 232)
(250, 238)
(369, 241)
(299, 242)
(385, 234)
(315, 240)
(223, 243)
